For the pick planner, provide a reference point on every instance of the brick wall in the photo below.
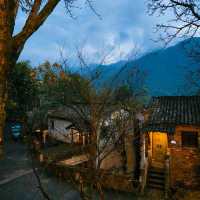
(185, 162)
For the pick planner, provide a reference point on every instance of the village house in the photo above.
(171, 143)
(61, 128)
(123, 155)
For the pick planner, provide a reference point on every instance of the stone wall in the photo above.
(112, 160)
(116, 160)
(120, 182)
(185, 162)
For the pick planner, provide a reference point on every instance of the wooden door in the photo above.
(159, 148)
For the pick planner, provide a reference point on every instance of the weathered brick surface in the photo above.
(185, 167)
(185, 162)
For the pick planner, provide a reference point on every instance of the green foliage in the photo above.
(22, 91)
(51, 86)
(59, 86)
(123, 93)
(126, 97)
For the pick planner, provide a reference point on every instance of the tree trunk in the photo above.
(100, 191)
(7, 59)
(3, 98)
(11, 46)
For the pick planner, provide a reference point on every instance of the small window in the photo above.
(189, 139)
(52, 124)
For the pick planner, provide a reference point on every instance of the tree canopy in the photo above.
(22, 91)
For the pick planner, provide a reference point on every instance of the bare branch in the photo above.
(35, 20)
(185, 21)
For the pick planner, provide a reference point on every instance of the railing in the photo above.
(167, 174)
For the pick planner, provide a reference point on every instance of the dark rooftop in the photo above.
(168, 111)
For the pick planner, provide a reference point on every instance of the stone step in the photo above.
(156, 181)
(156, 186)
(157, 171)
(156, 176)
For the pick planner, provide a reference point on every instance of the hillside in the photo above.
(164, 69)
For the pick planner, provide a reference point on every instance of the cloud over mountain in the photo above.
(124, 24)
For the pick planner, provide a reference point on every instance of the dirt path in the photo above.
(15, 175)
(17, 180)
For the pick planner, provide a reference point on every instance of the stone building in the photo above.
(171, 143)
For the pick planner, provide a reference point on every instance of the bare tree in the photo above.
(98, 113)
(107, 125)
(185, 20)
(11, 46)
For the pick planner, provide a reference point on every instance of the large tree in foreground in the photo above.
(11, 45)
(184, 17)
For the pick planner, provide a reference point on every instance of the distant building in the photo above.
(61, 127)
(62, 123)
(171, 142)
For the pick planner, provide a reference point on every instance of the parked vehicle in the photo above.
(16, 131)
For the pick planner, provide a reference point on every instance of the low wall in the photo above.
(120, 182)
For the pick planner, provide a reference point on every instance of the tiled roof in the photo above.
(79, 117)
(69, 113)
(168, 111)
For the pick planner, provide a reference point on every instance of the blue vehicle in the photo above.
(16, 130)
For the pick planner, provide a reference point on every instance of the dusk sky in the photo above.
(125, 28)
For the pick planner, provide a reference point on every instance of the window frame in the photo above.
(193, 143)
